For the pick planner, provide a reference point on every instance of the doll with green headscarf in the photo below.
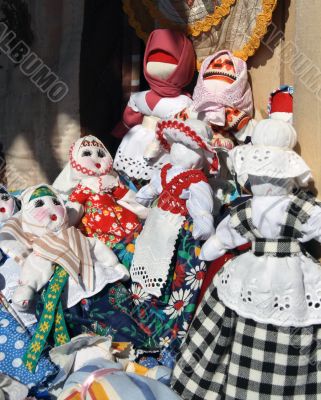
(40, 236)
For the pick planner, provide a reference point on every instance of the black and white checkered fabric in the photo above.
(297, 213)
(227, 357)
(276, 247)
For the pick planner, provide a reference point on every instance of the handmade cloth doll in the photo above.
(280, 104)
(182, 189)
(169, 64)
(154, 312)
(257, 331)
(9, 205)
(110, 211)
(40, 237)
(222, 97)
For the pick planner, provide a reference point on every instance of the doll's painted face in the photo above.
(95, 158)
(7, 207)
(219, 74)
(185, 157)
(161, 64)
(44, 212)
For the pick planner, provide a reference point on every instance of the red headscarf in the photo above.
(180, 47)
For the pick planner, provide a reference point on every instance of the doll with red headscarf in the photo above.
(169, 64)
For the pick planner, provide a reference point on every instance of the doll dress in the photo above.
(230, 352)
(129, 158)
(152, 257)
(103, 217)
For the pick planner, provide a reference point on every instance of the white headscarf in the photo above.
(73, 173)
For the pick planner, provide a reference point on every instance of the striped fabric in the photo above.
(69, 248)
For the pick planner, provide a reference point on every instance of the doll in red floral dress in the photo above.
(110, 211)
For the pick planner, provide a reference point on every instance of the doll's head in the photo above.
(9, 205)
(169, 62)
(188, 144)
(89, 157)
(270, 162)
(42, 211)
(280, 104)
(222, 95)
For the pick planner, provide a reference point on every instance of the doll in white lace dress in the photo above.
(257, 331)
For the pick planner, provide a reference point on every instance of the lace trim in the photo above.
(263, 20)
(194, 29)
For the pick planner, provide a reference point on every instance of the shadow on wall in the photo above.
(36, 130)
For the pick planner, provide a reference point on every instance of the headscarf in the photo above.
(237, 95)
(178, 46)
(67, 247)
(73, 173)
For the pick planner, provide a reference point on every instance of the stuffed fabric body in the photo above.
(103, 217)
(262, 308)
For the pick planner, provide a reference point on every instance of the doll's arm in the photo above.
(226, 237)
(35, 273)
(245, 132)
(200, 207)
(80, 194)
(14, 249)
(105, 256)
(148, 193)
(129, 201)
(75, 211)
(312, 228)
(131, 117)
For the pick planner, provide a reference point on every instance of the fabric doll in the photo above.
(280, 104)
(257, 331)
(9, 205)
(154, 312)
(110, 211)
(39, 236)
(182, 189)
(169, 64)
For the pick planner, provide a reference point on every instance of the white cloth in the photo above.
(282, 291)
(271, 154)
(130, 154)
(152, 256)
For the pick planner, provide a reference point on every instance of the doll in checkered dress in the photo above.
(256, 334)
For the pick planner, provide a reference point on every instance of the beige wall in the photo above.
(267, 69)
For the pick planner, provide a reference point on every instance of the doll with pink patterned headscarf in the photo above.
(222, 97)
(169, 64)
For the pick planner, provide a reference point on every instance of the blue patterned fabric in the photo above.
(129, 314)
(14, 341)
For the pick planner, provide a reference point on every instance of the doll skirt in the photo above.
(229, 357)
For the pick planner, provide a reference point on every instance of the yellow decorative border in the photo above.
(263, 20)
(133, 21)
(196, 28)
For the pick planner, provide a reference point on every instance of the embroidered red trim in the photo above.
(169, 199)
(78, 167)
(175, 124)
